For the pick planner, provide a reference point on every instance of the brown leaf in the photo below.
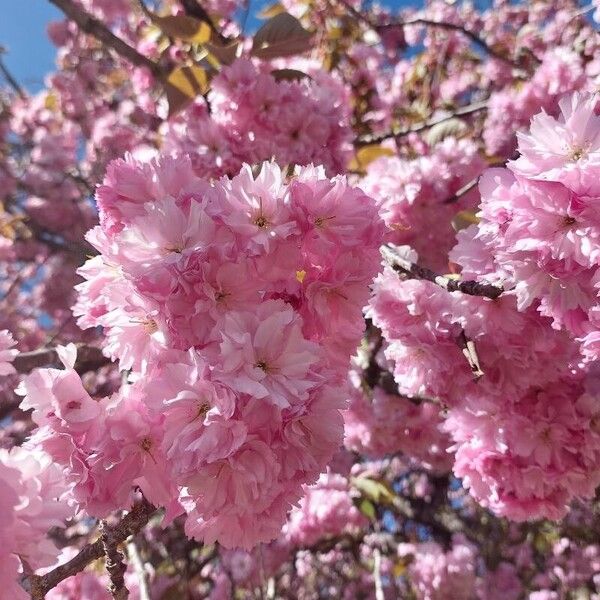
(182, 27)
(289, 75)
(183, 84)
(449, 128)
(224, 54)
(268, 12)
(367, 154)
(283, 35)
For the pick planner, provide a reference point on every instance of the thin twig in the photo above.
(418, 127)
(130, 524)
(473, 37)
(89, 358)
(468, 349)
(406, 267)
(465, 189)
(14, 84)
(140, 571)
(379, 595)
(89, 24)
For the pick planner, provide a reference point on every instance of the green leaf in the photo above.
(367, 508)
(374, 490)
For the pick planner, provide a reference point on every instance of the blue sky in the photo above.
(30, 55)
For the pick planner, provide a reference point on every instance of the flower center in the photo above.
(321, 221)
(151, 326)
(203, 408)
(577, 152)
(262, 365)
(261, 221)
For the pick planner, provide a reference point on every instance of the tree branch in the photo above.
(473, 37)
(379, 594)
(14, 84)
(138, 566)
(114, 563)
(89, 358)
(418, 127)
(89, 24)
(413, 270)
(130, 524)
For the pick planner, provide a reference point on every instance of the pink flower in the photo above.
(58, 398)
(7, 353)
(264, 354)
(326, 509)
(565, 149)
(257, 209)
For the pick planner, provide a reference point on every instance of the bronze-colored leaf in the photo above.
(464, 219)
(289, 75)
(449, 128)
(183, 27)
(183, 84)
(367, 154)
(268, 12)
(283, 35)
(224, 54)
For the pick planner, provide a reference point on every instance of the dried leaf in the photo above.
(289, 75)
(183, 27)
(283, 35)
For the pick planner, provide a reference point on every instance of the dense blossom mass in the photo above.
(305, 309)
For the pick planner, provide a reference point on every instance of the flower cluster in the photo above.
(236, 305)
(255, 117)
(7, 353)
(415, 196)
(539, 232)
(325, 510)
(561, 71)
(435, 574)
(525, 434)
(387, 424)
(32, 500)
